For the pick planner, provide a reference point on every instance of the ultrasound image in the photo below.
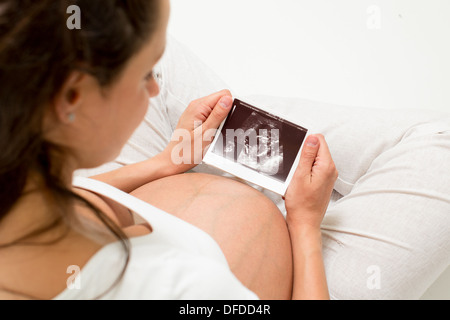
(260, 141)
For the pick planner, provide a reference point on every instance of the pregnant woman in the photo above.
(70, 99)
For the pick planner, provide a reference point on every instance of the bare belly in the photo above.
(248, 227)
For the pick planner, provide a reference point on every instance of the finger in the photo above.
(324, 163)
(308, 156)
(324, 159)
(202, 108)
(219, 112)
(214, 98)
(324, 151)
(210, 101)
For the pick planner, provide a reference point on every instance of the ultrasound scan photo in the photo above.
(260, 141)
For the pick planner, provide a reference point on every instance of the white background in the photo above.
(384, 54)
(377, 53)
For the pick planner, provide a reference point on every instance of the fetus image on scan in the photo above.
(257, 145)
(260, 141)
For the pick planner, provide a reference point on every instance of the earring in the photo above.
(71, 117)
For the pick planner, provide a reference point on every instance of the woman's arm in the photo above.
(307, 200)
(131, 177)
(309, 272)
(210, 111)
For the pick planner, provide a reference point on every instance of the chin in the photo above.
(96, 162)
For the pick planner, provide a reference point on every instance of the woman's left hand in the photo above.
(196, 130)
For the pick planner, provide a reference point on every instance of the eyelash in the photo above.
(150, 76)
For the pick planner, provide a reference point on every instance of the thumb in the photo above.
(309, 154)
(219, 113)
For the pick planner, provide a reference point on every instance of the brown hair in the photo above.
(37, 54)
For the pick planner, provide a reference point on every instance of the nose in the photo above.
(153, 88)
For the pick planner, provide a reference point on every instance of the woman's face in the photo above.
(106, 119)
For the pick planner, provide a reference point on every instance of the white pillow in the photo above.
(386, 233)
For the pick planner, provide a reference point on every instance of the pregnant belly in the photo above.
(248, 226)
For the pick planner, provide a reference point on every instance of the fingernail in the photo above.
(226, 102)
(313, 141)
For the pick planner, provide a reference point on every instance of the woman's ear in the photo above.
(69, 99)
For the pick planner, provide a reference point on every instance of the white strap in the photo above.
(164, 225)
(154, 216)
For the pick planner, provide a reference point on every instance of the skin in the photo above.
(97, 135)
(248, 227)
(274, 257)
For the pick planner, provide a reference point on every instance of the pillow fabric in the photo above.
(387, 236)
(386, 232)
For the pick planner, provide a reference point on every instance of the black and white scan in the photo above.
(260, 141)
(257, 145)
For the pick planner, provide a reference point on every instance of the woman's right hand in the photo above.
(306, 201)
(309, 192)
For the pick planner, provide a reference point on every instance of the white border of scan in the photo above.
(249, 174)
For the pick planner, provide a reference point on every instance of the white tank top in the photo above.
(176, 261)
